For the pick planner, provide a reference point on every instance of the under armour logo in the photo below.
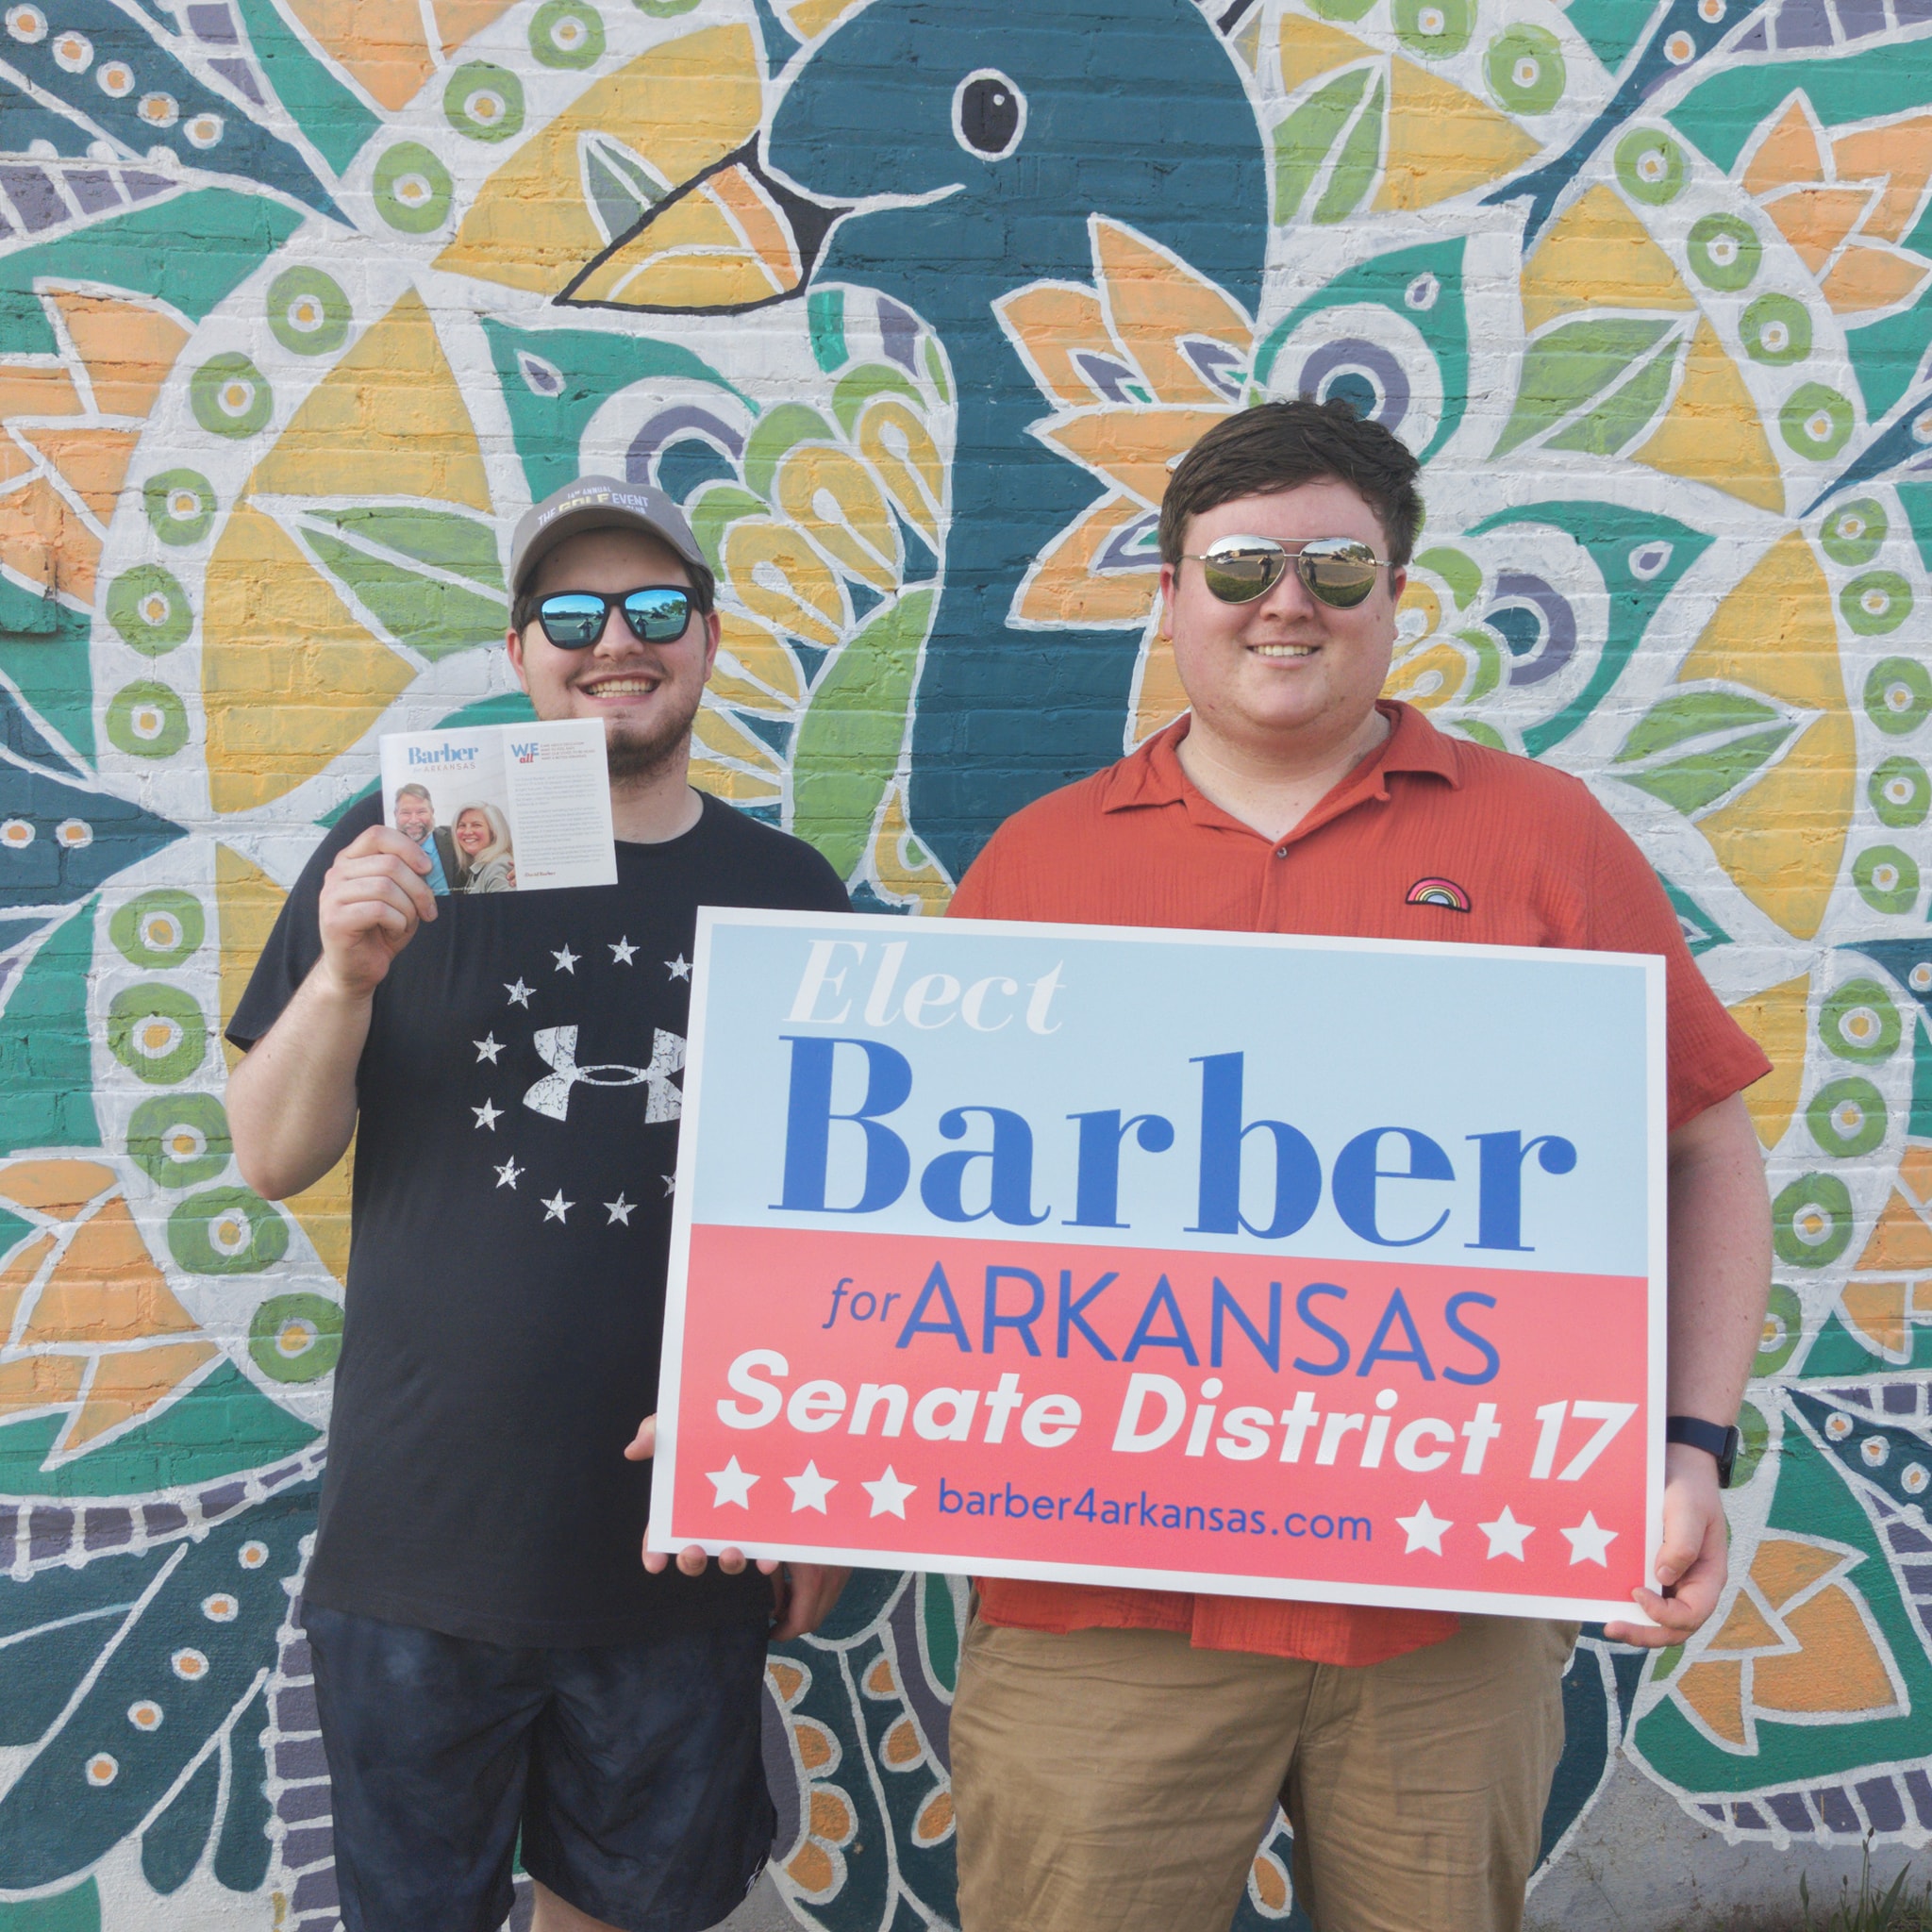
(557, 1046)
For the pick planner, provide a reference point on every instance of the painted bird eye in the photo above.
(988, 115)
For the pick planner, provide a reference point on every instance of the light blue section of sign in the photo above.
(1338, 1039)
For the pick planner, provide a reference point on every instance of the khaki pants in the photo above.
(1121, 1781)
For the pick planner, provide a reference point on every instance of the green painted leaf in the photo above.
(1692, 783)
(46, 1063)
(1357, 166)
(1692, 714)
(1303, 140)
(853, 729)
(466, 547)
(1624, 414)
(1462, 573)
(434, 618)
(1567, 365)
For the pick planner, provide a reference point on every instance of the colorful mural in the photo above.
(302, 302)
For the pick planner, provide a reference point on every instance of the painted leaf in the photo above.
(1701, 779)
(1692, 714)
(852, 732)
(1569, 365)
(1303, 140)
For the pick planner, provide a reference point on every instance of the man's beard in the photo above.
(635, 755)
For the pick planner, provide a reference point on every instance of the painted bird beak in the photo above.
(732, 239)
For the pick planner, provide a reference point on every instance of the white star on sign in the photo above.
(732, 1483)
(486, 1048)
(557, 1206)
(1507, 1536)
(506, 1174)
(622, 952)
(621, 1209)
(519, 994)
(1425, 1530)
(566, 962)
(1590, 1542)
(487, 1115)
(678, 968)
(889, 1494)
(809, 1490)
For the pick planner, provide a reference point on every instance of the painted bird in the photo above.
(963, 145)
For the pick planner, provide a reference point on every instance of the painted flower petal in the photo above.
(1133, 449)
(831, 495)
(1155, 303)
(1067, 585)
(1050, 323)
(900, 448)
(776, 573)
(754, 670)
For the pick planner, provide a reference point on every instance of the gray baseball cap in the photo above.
(595, 503)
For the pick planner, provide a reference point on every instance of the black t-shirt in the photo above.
(514, 1155)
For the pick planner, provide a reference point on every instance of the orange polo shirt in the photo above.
(1508, 852)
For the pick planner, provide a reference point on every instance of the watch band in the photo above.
(1715, 1439)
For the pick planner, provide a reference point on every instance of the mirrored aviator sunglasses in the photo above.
(1338, 571)
(573, 620)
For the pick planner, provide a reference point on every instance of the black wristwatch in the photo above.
(1714, 1438)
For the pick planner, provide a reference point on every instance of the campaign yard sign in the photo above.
(1265, 1265)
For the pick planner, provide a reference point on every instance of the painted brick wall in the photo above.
(912, 303)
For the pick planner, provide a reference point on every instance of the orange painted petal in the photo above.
(1047, 323)
(1155, 301)
(1065, 586)
(1901, 153)
(1788, 154)
(1815, 220)
(1864, 277)
(1133, 449)
(45, 540)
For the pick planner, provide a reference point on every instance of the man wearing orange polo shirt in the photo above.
(1117, 1754)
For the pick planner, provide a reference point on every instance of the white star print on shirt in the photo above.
(487, 1115)
(567, 961)
(623, 953)
(670, 1181)
(619, 1209)
(557, 1206)
(519, 993)
(508, 1173)
(488, 1048)
(678, 968)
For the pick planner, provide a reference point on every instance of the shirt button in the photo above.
(1281, 852)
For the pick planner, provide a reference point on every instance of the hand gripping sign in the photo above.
(1230, 1262)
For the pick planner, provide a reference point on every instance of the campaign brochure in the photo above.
(1248, 1263)
(504, 807)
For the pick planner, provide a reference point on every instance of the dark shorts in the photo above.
(632, 1770)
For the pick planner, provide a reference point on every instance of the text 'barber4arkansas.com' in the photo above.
(1279, 1266)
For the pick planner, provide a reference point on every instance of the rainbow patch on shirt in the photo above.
(1438, 892)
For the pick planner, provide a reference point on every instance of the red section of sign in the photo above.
(1280, 1427)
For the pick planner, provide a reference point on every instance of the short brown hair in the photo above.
(1281, 445)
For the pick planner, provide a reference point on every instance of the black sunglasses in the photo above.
(1340, 570)
(573, 620)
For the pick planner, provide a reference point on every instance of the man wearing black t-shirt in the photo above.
(491, 1657)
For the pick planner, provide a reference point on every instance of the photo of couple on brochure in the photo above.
(471, 853)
